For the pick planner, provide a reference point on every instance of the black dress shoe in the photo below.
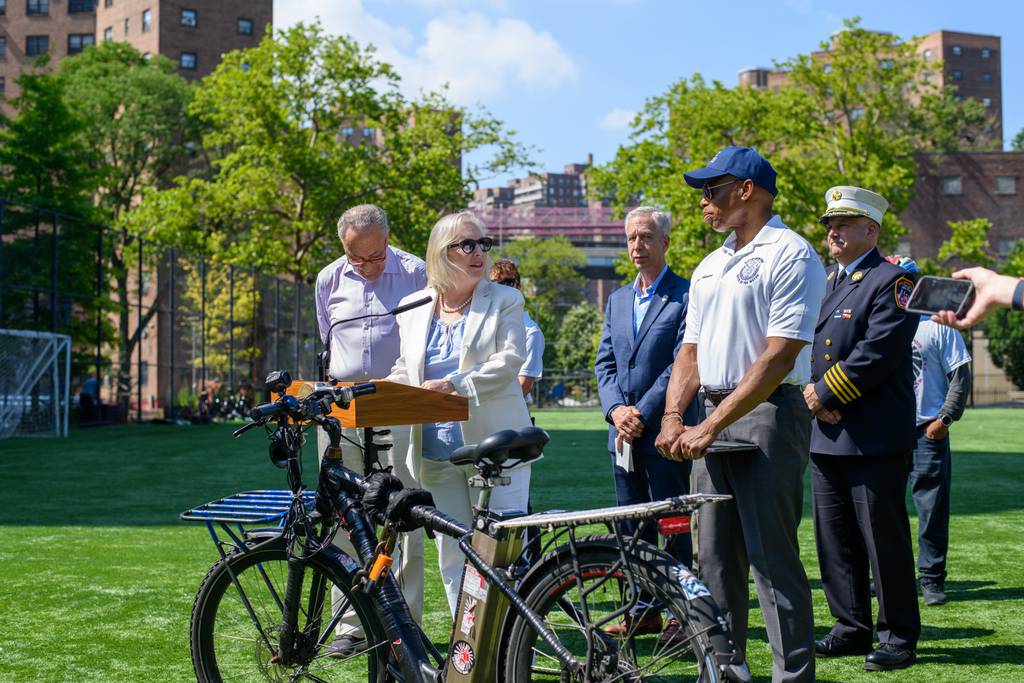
(934, 592)
(888, 657)
(834, 646)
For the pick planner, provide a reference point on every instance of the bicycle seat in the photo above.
(507, 448)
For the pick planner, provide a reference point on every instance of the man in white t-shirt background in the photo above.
(942, 385)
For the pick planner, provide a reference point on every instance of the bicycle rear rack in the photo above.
(263, 507)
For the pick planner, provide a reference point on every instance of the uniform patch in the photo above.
(749, 272)
(904, 287)
(463, 657)
(857, 276)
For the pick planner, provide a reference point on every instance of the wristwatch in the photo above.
(946, 420)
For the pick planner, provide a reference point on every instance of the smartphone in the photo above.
(933, 294)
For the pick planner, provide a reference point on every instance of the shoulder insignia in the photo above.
(857, 276)
(903, 288)
(831, 274)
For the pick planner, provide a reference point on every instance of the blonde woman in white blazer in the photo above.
(470, 342)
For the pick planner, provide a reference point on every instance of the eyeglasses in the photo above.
(356, 261)
(468, 245)
(709, 189)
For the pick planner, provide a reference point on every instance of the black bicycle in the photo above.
(264, 611)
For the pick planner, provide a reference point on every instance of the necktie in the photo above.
(840, 276)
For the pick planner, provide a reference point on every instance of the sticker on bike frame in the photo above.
(463, 658)
(348, 563)
(469, 615)
(474, 584)
(691, 585)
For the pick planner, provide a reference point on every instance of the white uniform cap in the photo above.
(846, 200)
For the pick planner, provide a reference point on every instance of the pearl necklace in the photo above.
(457, 309)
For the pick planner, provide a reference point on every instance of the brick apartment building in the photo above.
(194, 34)
(548, 189)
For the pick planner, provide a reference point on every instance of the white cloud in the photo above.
(477, 56)
(617, 119)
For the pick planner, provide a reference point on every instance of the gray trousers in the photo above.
(408, 567)
(758, 530)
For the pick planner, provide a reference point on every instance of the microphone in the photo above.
(325, 355)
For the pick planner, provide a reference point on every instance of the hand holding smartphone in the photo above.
(933, 294)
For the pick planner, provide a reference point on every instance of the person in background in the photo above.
(643, 328)
(371, 277)
(862, 399)
(470, 342)
(504, 272)
(942, 385)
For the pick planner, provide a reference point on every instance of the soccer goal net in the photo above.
(35, 371)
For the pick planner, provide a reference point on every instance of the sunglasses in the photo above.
(709, 190)
(508, 282)
(468, 245)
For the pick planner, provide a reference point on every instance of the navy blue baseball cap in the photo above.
(742, 162)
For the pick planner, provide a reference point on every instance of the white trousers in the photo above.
(453, 496)
(408, 565)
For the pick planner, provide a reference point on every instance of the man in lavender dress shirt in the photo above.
(371, 277)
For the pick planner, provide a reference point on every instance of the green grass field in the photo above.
(98, 575)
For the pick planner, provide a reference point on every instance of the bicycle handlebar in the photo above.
(310, 407)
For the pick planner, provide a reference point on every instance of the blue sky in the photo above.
(566, 74)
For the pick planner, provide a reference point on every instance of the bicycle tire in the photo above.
(226, 643)
(552, 585)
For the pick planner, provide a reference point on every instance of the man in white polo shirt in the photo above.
(753, 305)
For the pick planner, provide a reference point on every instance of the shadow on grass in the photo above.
(972, 655)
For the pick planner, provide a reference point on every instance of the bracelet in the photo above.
(674, 414)
(1017, 300)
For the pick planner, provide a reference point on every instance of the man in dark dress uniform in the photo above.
(863, 434)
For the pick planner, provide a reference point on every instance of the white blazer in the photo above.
(493, 348)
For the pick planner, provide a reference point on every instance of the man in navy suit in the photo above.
(864, 431)
(643, 327)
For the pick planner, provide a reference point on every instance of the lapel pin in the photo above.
(857, 277)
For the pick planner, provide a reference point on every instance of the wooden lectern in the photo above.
(393, 404)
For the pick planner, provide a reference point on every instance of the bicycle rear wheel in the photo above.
(575, 605)
(230, 642)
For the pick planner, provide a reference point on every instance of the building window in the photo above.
(1006, 184)
(886, 63)
(108, 33)
(3, 47)
(147, 21)
(37, 45)
(3, 85)
(957, 50)
(3, 7)
(986, 53)
(952, 185)
(108, 3)
(986, 76)
(958, 75)
(126, 25)
(79, 41)
(190, 18)
(856, 113)
(927, 54)
(348, 132)
(188, 61)
(37, 7)
(244, 26)
(75, 6)
(368, 133)
(987, 101)
(1005, 245)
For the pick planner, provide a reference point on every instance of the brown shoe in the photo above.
(673, 634)
(646, 625)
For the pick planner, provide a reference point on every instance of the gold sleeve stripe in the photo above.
(846, 381)
(838, 381)
(834, 387)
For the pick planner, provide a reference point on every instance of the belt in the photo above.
(716, 396)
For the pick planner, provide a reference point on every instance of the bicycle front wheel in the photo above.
(236, 624)
(597, 611)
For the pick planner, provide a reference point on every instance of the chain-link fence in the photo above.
(161, 333)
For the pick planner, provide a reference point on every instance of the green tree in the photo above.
(854, 114)
(552, 281)
(304, 126)
(968, 243)
(1017, 144)
(1005, 328)
(576, 346)
(134, 114)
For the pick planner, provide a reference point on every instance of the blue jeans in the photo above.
(929, 483)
